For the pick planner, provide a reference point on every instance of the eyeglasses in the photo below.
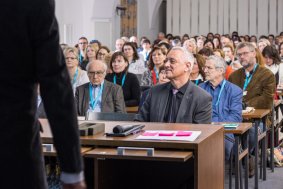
(98, 73)
(83, 43)
(242, 54)
(71, 58)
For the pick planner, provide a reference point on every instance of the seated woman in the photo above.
(102, 52)
(91, 51)
(272, 62)
(78, 76)
(136, 64)
(156, 60)
(119, 64)
(197, 75)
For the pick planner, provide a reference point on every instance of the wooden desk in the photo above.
(207, 149)
(133, 109)
(84, 150)
(241, 132)
(259, 115)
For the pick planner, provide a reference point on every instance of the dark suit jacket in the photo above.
(195, 106)
(37, 58)
(261, 88)
(112, 98)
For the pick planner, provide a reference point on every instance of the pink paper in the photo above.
(183, 133)
(149, 134)
(166, 134)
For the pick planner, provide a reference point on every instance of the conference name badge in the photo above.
(245, 93)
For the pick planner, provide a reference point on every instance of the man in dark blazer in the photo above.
(110, 99)
(36, 59)
(191, 104)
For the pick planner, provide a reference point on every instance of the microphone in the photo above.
(123, 128)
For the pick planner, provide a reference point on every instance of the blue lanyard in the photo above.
(93, 102)
(219, 95)
(197, 82)
(75, 76)
(156, 73)
(248, 79)
(123, 79)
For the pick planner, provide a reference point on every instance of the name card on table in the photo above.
(169, 135)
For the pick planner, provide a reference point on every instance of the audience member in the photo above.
(102, 52)
(226, 97)
(99, 95)
(91, 51)
(137, 65)
(83, 42)
(119, 44)
(77, 75)
(178, 101)
(156, 60)
(197, 75)
(190, 45)
(119, 64)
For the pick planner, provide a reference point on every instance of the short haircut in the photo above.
(97, 62)
(115, 55)
(218, 62)
(83, 38)
(187, 56)
(72, 50)
(245, 44)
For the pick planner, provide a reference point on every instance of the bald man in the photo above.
(99, 95)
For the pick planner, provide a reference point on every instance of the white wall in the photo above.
(94, 19)
(150, 20)
(253, 17)
(97, 19)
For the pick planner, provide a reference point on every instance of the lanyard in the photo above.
(219, 95)
(156, 72)
(197, 82)
(75, 76)
(123, 79)
(248, 79)
(93, 102)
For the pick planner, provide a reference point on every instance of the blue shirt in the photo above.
(229, 108)
(95, 92)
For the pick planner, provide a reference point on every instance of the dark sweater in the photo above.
(131, 87)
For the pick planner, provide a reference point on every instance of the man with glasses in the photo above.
(99, 95)
(226, 97)
(258, 84)
(178, 101)
(83, 42)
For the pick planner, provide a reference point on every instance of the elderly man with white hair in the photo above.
(226, 97)
(99, 95)
(180, 100)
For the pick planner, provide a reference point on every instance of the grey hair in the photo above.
(97, 62)
(187, 56)
(245, 44)
(219, 62)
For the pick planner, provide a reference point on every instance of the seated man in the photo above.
(178, 101)
(257, 82)
(226, 97)
(99, 95)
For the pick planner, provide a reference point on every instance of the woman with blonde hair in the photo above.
(91, 51)
(77, 75)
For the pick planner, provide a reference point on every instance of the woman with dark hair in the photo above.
(119, 65)
(209, 43)
(272, 62)
(197, 75)
(136, 64)
(217, 43)
(156, 60)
